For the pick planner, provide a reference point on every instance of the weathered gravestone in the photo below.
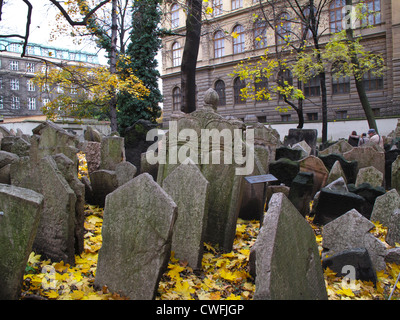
(20, 211)
(350, 168)
(393, 234)
(139, 218)
(384, 207)
(390, 157)
(286, 268)
(188, 188)
(339, 147)
(289, 153)
(285, 170)
(366, 157)
(349, 231)
(333, 203)
(357, 258)
(395, 174)
(55, 238)
(112, 152)
(317, 167)
(369, 175)
(335, 173)
(198, 136)
(308, 135)
(301, 192)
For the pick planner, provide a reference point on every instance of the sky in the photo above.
(43, 14)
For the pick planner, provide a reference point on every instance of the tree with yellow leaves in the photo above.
(80, 91)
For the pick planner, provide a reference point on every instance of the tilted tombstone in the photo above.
(339, 147)
(308, 135)
(188, 188)
(369, 175)
(112, 152)
(285, 270)
(366, 157)
(351, 230)
(317, 167)
(20, 211)
(139, 219)
(384, 207)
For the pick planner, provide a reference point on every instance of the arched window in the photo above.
(220, 88)
(340, 83)
(219, 45)
(260, 34)
(284, 28)
(176, 99)
(261, 88)
(285, 78)
(238, 39)
(335, 15)
(237, 86)
(174, 16)
(176, 54)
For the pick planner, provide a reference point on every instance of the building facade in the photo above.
(19, 96)
(232, 33)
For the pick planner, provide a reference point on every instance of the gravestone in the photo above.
(384, 207)
(301, 190)
(317, 167)
(366, 157)
(112, 152)
(335, 173)
(91, 149)
(20, 211)
(357, 258)
(284, 170)
(332, 204)
(289, 153)
(339, 148)
(139, 219)
(393, 234)
(102, 183)
(303, 147)
(395, 174)
(351, 230)
(16, 145)
(55, 238)
(390, 157)
(287, 270)
(188, 188)
(308, 135)
(369, 175)
(350, 168)
(124, 171)
(369, 193)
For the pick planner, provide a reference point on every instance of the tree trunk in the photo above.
(189, 56)
(358, 76)
(113, 66)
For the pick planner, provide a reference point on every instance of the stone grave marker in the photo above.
(366, 157)
(286, 270)
(188, 188)
(139, 219)
(369, 175)
(20, 211)
(384, 207)
(317, 167)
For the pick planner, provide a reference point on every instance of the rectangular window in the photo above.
(340, 85)
(312, 116)
(341, 115)
(236, 4)
(373, 10)
(30, 85)
(372, 82)
(14, 65)
(312, 88)
(14, 84)
(30, 67)
(15, 103)
(286, 117)
(217, 7)
(31, 103)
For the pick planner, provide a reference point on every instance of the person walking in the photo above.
(375, 137)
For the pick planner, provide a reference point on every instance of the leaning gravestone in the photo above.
(395, 174)
(351, 230)
(188, 188)
(339, 148)
(20, 211)
(317, 167)
(308, 135)
(285, 269)
(350, 168)
(367, 157)
(384, 207)
(112, 152)
(139, 219)
(369, 175)
(300, 193)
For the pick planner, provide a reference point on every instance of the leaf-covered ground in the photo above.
(223, 275)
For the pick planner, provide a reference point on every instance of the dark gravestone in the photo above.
(284, 170)
(286, 152)
(135, 141)
(390, 157)
(301, 192)
(297, 135)
(350, 168)
(332, 204)
(368, 192)
(357, 258)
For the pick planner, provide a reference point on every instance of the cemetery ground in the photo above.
(223, 276)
